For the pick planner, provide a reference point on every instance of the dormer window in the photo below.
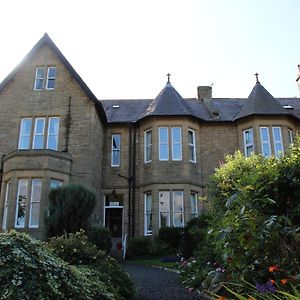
(40, 76)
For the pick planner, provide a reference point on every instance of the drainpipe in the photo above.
(68, 124)
(133, 179)
(129, 183)
(1, 171)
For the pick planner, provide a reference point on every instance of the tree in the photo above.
(70, 208)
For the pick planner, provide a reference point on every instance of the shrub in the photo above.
(70, 208)
(100, 236)
(171, 236)
(75, 249)
(194, 234)
(30, 271)
(138, 247)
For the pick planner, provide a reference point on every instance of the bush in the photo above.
(100, 236)
(30, 271)
(70, 208)
(171, 236)
(138, 247)
(194, 234)
(75, 249)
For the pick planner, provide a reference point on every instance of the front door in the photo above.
(114, 222)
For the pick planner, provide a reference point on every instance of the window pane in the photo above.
(276, 133)
(249, 150)
(178, 220)
(176, 135)
(266, 150)
(50, 83)
(40, 73)
(21, 203)
(25, 131)
(164, 152)
(163, 135)
(39, 84)
(51, 72)
(177, 151)
(164, 219)
(55, 184)
(191, 153)
(116, 158)
(178, 201)
(36, 190)
(191, 137)
(264, 134)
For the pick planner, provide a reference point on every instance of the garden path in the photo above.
(157, 284)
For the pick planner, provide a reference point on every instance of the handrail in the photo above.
(124, 244)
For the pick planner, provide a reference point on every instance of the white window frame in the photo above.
(17, 202)
(35, 134)
(265, 142)
(118, 150)
(192, 145)
(248, 145)
(194, 198)
(35, 201)
(147, 197)
(147, 147)
(178, 212)
(277, 142)
(39, 78)
(290, 136)
(5, 208)
(174, 143)
(49, 134)
(24, 135)
(163, 143)
(160, 193)
(50, 78)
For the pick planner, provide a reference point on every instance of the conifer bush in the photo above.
(70, 208)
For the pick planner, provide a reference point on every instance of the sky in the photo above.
(123, 49)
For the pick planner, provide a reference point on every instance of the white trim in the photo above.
(26, 135)
(50, 78)
(248, 145)
(146, 146)
(146, 232)
(164, 143)
(39, 78)
(276, 142)
(168, 212)
(192, 145)
(55, 134)
(266, 142)
(38, 134)
(290, 136)
(118, 149)
(194, 196)
(182, 206)
(37, 201)
(5, 208)
(176, 143)
(17, 202)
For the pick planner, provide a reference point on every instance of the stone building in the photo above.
(148, 160)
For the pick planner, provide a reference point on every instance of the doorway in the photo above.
(114, 222)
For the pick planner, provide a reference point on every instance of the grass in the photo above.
(155, 261)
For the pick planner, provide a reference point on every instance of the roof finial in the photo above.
(168, 77)
(256, 74)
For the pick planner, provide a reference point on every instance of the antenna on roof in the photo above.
(256, 75)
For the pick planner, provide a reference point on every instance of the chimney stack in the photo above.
(204, 92)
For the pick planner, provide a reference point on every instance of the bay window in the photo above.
(248, 142)
(148, 214)
(148, 145)
(176, 143)
(164, 208)
(178, 217)
(265, 141)
(5, 209)
(277, 139)
(194, 205)
(36, 189)
(163, 143)
(21, 203)
(192, 145)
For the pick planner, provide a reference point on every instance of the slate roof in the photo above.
(261, 102)
(47, 40)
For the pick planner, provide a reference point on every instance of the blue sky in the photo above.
(124, 49)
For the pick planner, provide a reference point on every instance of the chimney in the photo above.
(205, 95)
(204, 92)
(298, 79)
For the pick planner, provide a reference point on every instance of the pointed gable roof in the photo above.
(168, 103)
(46, 40)
(260, 102)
